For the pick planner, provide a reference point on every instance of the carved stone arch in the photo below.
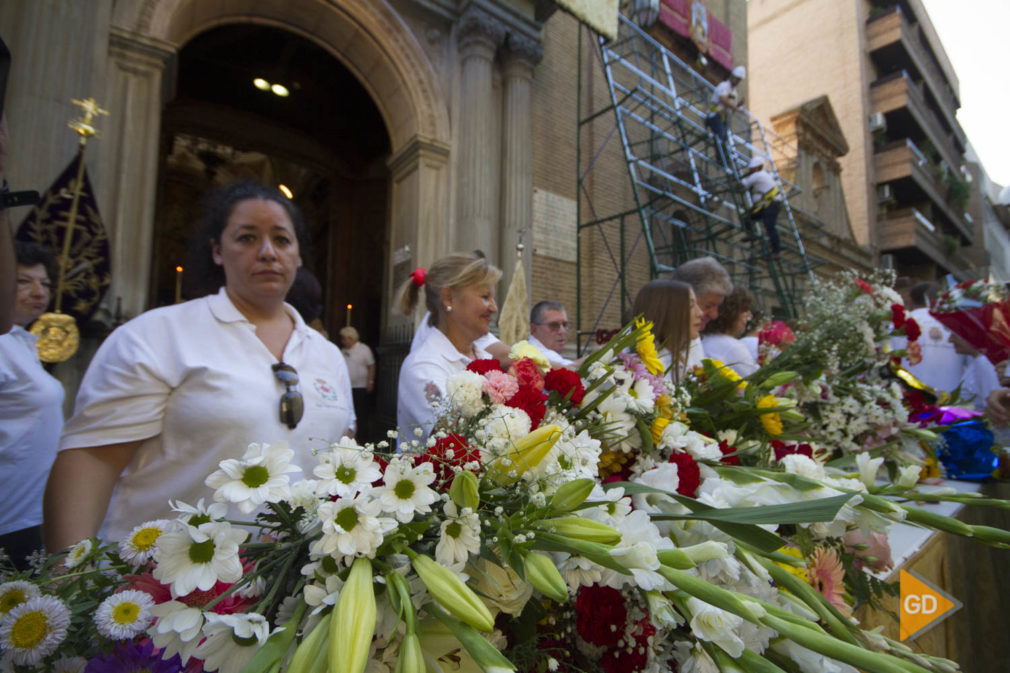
(369, 38)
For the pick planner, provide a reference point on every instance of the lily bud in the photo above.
(353, 623)
(310, 653)
(779, 378)
(526, 453)
(451, 592)
(545, 577)
(411, 659)
(465, 491)
(570, 495)
(580, 528)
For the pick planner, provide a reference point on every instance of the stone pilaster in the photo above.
(520, 56)
(479, 36)
(129, 162)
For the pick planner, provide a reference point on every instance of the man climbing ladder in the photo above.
(767, 198)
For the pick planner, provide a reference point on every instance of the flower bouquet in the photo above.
(978, 312)
(553, 521)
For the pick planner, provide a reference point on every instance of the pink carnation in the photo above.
(500, 387)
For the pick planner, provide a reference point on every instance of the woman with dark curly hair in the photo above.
(721, 337)
(176, 390)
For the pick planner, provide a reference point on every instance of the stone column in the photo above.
(129, 162)
(479, 35)
(520, 56)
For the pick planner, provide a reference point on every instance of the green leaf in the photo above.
(596, 553)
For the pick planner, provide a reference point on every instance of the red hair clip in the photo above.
(418, 276)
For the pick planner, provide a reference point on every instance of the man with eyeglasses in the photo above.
(549, 331)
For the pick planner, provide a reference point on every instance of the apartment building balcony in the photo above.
(895, 44)
(910, 177)
(909, 232)
(902, 102)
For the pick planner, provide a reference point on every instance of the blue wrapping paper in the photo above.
(967, 451)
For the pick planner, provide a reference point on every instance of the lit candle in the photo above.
(349, 306)
(178, 284)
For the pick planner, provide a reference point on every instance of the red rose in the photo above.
(912, 330)
(532, 401)
(728, 453)
(782, 449)
(864, 286)
(565, 382)
(484, 366)
(526, 372)
(600, 615)
(689, 476)
(897, 315)
(448, 452)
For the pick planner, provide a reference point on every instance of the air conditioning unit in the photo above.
(885, 194)
(877, 122)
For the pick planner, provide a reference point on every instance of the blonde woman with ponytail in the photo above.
(458, 291)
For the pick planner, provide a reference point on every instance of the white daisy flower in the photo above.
(34, 629)
(352, 527)
(177, 629)
(13, 594)
(79, 553)
(406, 489)
(259, 477)
(231, 641)
(124, 615)
(200, 514)
(139, 546)
(345, 469)
(459, 536)
(69, 665)
(196, 558)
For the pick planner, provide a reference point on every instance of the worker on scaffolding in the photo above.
(767, 199)
(724, 102)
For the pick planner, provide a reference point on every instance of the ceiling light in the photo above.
(280, 90)
(261, 84)
(285, 191)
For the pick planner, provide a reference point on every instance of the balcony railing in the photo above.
(896, 91)
(903, 160)
(908, 228)
(891, 27)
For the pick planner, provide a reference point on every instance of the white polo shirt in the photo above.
(423, 376)
(31, 416)
(195, 383)
(731, 352)
(554, 357)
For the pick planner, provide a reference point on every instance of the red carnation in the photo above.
(729, 453)
(897, 315)
(864, 286)
(484, 366)
(688, 474)
(620, 660)
(600, 615)
(526, 372)
(448, 452)
(782, 449)
(532, 401)
(563, 382)
(912, 330)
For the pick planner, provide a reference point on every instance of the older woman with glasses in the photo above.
(178, 389)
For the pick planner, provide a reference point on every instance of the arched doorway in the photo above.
(324, 140)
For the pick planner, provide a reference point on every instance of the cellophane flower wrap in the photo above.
(554, 521)
(979, 312)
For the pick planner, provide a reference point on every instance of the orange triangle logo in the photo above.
(923, 605)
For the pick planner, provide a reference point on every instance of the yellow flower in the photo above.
(798, 571)
(611, 462)
(771, 420)
(664, 406)
(645, 346)
(657, 428)
(524, 349)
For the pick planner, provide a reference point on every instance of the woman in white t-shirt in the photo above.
(672, 308)
(176, 390)
(721, 338)
(459, 294)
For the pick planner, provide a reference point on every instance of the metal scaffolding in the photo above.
(688, 196)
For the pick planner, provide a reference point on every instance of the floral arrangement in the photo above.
(978, 312)
(554, 521)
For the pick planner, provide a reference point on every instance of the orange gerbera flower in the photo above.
(827, 575)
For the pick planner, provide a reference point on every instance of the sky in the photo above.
(975, 36)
